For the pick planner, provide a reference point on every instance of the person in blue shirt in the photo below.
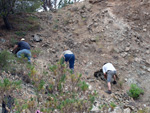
(24, 49)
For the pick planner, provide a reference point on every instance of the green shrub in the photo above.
(67, 90)
(6, 58)
(135, 91)
(7, 86)
(20, 33)
(112, 105)
(84, 86)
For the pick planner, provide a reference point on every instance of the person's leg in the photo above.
(71, 62)
(20, 53)
(109, 77)
(114, 77)
(109, 86)
(25, 52)
(28, 55)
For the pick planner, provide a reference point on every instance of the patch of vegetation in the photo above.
(68, 85)
(83, 85)
(6, 59)
(143, 110)
(7, 86)
(24, 23)
(35, 52)
(20, 33)
(121, 83)
(103, 107)
(112, 105)
(135, 91)
(32, 18)
(65, 90)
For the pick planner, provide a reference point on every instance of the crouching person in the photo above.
(24, 49)
(109, 73)
(68, 56)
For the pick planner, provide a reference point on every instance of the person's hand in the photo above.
(105, 75)
(11, 50)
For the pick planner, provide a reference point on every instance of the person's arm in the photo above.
(104, 72)
(61, 56)
(15, 47)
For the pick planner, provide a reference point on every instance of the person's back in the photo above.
(23, 45)
(108, 66)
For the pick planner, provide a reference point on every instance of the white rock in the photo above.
(127, 110)
(117, 110)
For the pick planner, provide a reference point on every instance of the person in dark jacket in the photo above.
(24, 49)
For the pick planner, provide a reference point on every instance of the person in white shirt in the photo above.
(109, 72)
(69, 57)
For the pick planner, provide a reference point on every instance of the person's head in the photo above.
(105, 63)
(65, 48)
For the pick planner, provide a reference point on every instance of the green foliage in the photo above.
(64, 3)
(143, 110)
(103, 107)
(20, 33)
(6, 58)
(112, 105)
(20, 105)
(7, 86)
(35, 52)
(27, 5)
(135, 91)
(121, 83)
(64, 91)
(32, 18)
(6, 7)
(83, 85)
(41, 85)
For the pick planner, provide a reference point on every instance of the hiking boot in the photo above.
(108, 92)
(114, 82)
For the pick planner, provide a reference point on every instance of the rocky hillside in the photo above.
(100, 31)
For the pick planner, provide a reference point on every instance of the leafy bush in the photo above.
(20, 33)
(67, 92)
(7, 86)
(135, 91)
(27, 5)
(6, 58)
(83, 85)
(63, 92)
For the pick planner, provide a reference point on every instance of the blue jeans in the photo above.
(71, 59)
(26, 53)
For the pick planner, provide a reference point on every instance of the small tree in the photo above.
(6, 7)
(9, 6)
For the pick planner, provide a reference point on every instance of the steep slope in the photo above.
(115, 31)
(108, 31)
